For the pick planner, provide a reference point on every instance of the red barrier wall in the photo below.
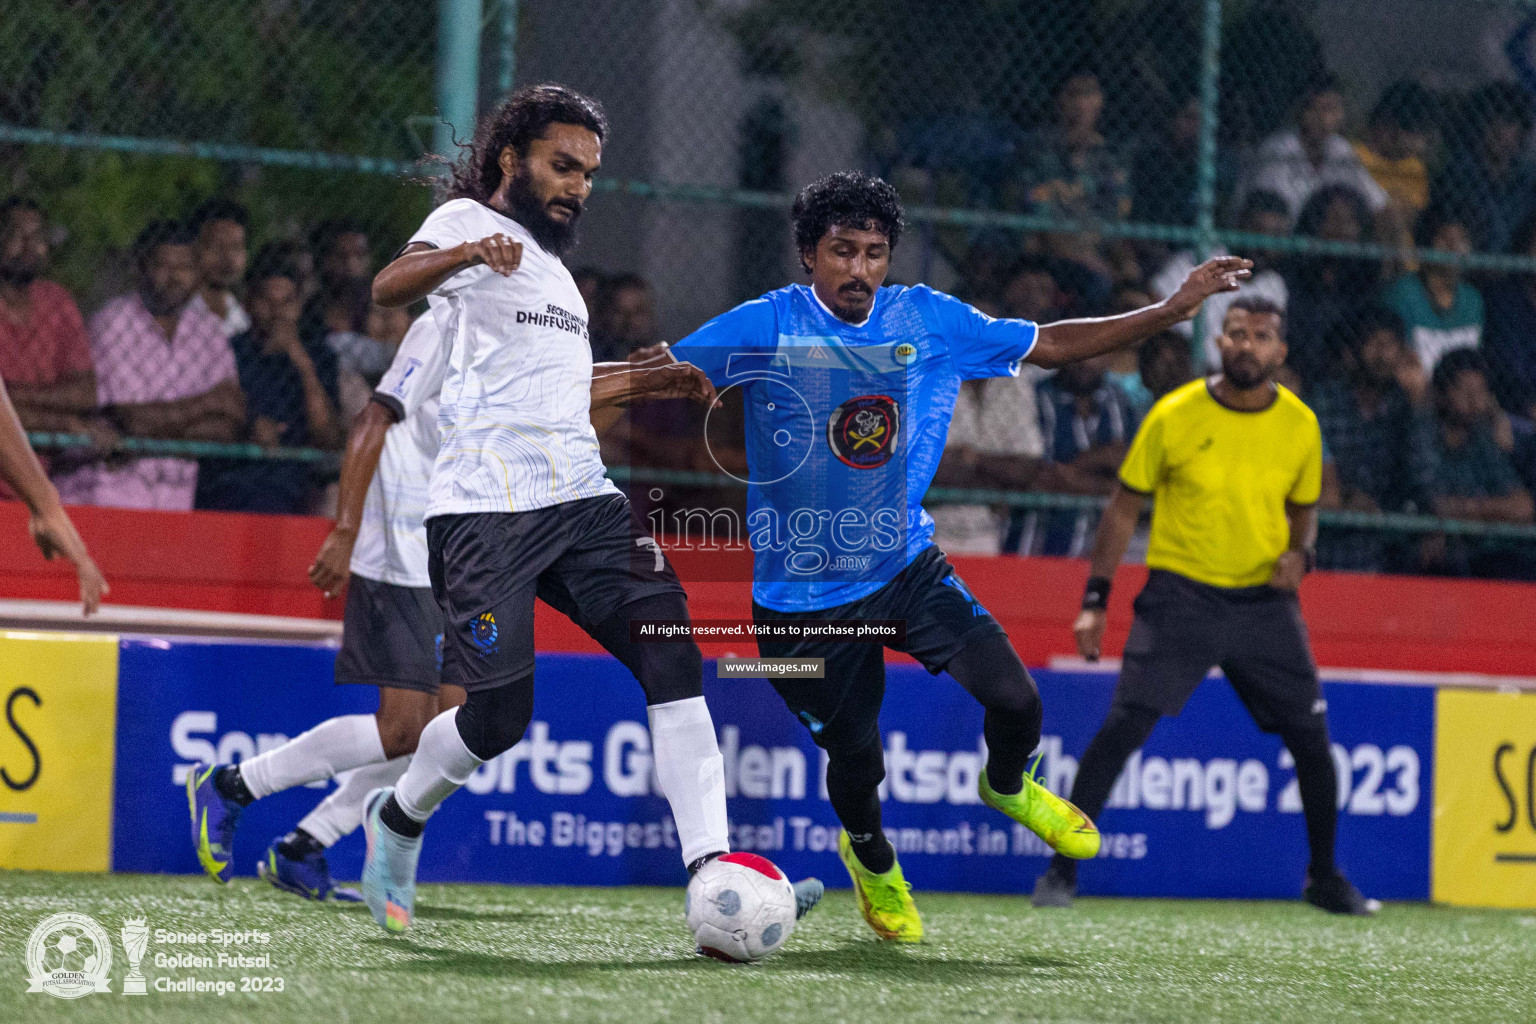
(239, 563)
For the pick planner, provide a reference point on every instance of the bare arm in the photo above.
(365, 443)
(1116, 526)
(1296, 561)
(616, 385)
(217, 414)
(50, 526)
(324, 430)
(1068, 341)
(416, 272)
(1514, 507)
(73, 394)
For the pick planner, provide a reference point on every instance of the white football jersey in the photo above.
(392, 538)
(517, 389)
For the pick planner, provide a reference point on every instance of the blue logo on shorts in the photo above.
(954, 581)
(482, 633)
(438, 644)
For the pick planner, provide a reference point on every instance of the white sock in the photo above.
(333, 746)
(342, 811)
(442, 764)
(692, 774)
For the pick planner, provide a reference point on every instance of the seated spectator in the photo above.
(1327, 290)
(45, 354)
(364, 351)
(1163, 363)
(1296, 162)
(1031, 291)
(1474, 478)
(1378, 431)
(1263, 213)
(1086, 424)
(1070, 170)
(624, 319)
(341, 257)
(1397, 139)
(589, 281)
(1121, 369)
(1166, 169)
(1442, 311)
(163, 370)
(1509, 332)
(1487, 183)
(291, 402)
(219, 227)
(994, 444)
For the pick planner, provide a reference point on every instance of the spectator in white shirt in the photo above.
(219, 227)
(1296, 162)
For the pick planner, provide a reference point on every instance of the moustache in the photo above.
(853, 289)
(567, 204)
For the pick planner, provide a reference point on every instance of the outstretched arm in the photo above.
(50, 527)
(616, 385)
(1068, 341)
(1116, 526)
(365, 443)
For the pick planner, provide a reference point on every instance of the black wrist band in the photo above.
(1310, 556)
(1096, 594)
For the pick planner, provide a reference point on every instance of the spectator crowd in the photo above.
(1423, 376)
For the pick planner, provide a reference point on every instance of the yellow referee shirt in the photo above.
(1219, 481)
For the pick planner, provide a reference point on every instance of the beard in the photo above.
(555, 237)
(19, 276)
(1245, 371)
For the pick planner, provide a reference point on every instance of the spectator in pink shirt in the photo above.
(164, 370)
(45, 356)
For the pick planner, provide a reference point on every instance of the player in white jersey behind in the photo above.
(392, 624)
(520, 506)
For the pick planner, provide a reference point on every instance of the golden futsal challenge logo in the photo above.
(862, 431)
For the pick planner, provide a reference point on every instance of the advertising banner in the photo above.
(1485, 799)
(1208, 808)
(58, 694)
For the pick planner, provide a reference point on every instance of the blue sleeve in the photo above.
(749, 328)
(980, 345)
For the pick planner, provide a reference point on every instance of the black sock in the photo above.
(1007, 732)
(231, 786)
(873, 850)
(397, 821)
(298, 844)
(853, 787)
(1317, 782)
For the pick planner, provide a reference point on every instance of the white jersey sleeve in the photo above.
(415, 376)
(453, 223)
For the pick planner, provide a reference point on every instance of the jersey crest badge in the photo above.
(862, 431)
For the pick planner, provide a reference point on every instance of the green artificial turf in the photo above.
(491, 953)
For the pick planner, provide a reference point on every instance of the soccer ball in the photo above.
(740, 907)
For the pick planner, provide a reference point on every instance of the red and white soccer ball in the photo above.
(740, 907)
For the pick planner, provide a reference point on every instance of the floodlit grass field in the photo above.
(489, 953)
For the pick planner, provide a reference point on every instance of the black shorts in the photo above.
(391, 636)
(585, 558)
(842, 710)
(1254, 634)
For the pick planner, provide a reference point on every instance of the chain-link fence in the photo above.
(1055, 159)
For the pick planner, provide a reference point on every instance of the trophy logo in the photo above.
(135, 935)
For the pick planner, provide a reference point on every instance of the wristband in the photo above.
(1096, 594)
(1310, 558)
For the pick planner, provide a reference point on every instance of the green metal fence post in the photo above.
(1205, 188)
(506, 66)
(457, 74)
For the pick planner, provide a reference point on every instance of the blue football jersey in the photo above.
(845, 426)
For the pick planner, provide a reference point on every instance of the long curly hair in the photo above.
(525, 115)
(848, 199)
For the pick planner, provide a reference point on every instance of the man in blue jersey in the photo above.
(849, 387)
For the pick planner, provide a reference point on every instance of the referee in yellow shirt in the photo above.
(1234, 467)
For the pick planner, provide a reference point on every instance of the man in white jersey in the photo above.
(392, 624)
(519, 505)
